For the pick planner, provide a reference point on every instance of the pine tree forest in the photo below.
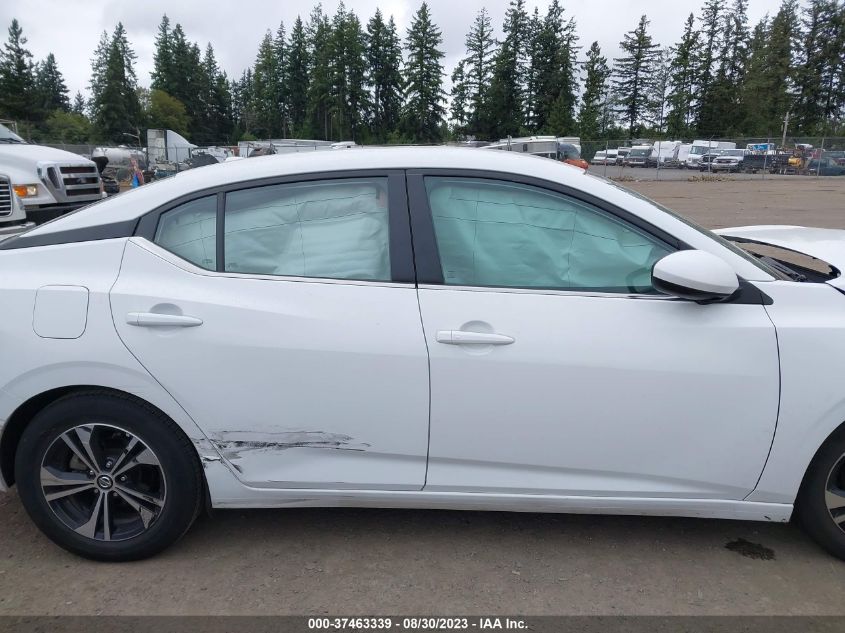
(346, 77)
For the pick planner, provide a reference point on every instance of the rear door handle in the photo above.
(460, 337)
(155, 319)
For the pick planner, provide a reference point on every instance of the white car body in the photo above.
(605, 157)
(299, 391)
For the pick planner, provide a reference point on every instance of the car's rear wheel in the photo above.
(821, 501)
(107, 477)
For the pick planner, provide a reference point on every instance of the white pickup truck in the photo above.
(49, 182)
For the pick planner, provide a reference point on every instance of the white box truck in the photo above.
(700, 148)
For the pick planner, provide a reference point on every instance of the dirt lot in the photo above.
(442, 563)
(795, 200)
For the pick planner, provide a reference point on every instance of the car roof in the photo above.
(135, 203)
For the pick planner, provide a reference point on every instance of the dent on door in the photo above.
(298, 384)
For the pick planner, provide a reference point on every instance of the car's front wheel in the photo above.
(821, 501)
(108, 477)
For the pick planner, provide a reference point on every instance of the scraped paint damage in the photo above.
(234, 448)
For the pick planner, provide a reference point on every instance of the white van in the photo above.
(700, 148)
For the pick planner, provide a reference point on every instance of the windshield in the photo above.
(698, 150)
(639, 152)
(7, 136)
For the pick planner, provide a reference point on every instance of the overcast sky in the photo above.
(71, 28)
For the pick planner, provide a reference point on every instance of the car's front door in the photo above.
(284, 319)
(555, 367)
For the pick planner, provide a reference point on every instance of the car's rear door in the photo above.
(555, 367)
(283, 317)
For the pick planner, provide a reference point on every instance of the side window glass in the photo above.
(190, 231)
(501, 234)
(335, 229)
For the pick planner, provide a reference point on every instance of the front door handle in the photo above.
(155, 319)
(460, 337)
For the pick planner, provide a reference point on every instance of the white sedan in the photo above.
(426, 327)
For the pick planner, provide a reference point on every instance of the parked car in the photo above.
(705, 160)
(729, 160)
(425, 327)
(639, 156)
(826, 166)
(605, 157)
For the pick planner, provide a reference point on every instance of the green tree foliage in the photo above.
(50, 87)
(384, 56)
(819, 98)
(594, 97)
(424, 110)
(78, 106)
(18, 94)
(349, 100)
(768, 89)
(478, 72)
(318, 33)
(633, 77)
(683, 73)
(554, 72)
(507, 87)
(295, 72)
(166, 112)
(115, 108)
(67, 127)
(710, 43)
(459, 109)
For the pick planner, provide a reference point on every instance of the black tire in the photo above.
(177, 465)
(811, 509)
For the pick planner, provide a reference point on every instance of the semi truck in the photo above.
(48, 182)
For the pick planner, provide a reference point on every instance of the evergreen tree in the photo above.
(384, 58)
(633, 76)
(117, 109)
(536, 62)
(682, 82)
(594, 96)
(78, 104)
(99, 62)
(18, 94)
(822, 52)
(348, 97)
(555, 72)
(50, 87)
(659, 92)
(296, 74)
(282, 93)
(726, 105)
(709, 45)
(265, 88)
(459, 110)
(164, 73)
(477, 69)
(424, 110)
(768, 89)
(319, 88)
(507, 90)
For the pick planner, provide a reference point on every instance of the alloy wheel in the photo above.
(834, 494)
(103, 482)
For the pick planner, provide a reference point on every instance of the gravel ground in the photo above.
(346, 561)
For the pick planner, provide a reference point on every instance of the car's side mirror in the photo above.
(694, 275)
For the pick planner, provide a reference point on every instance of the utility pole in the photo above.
(785, 127)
